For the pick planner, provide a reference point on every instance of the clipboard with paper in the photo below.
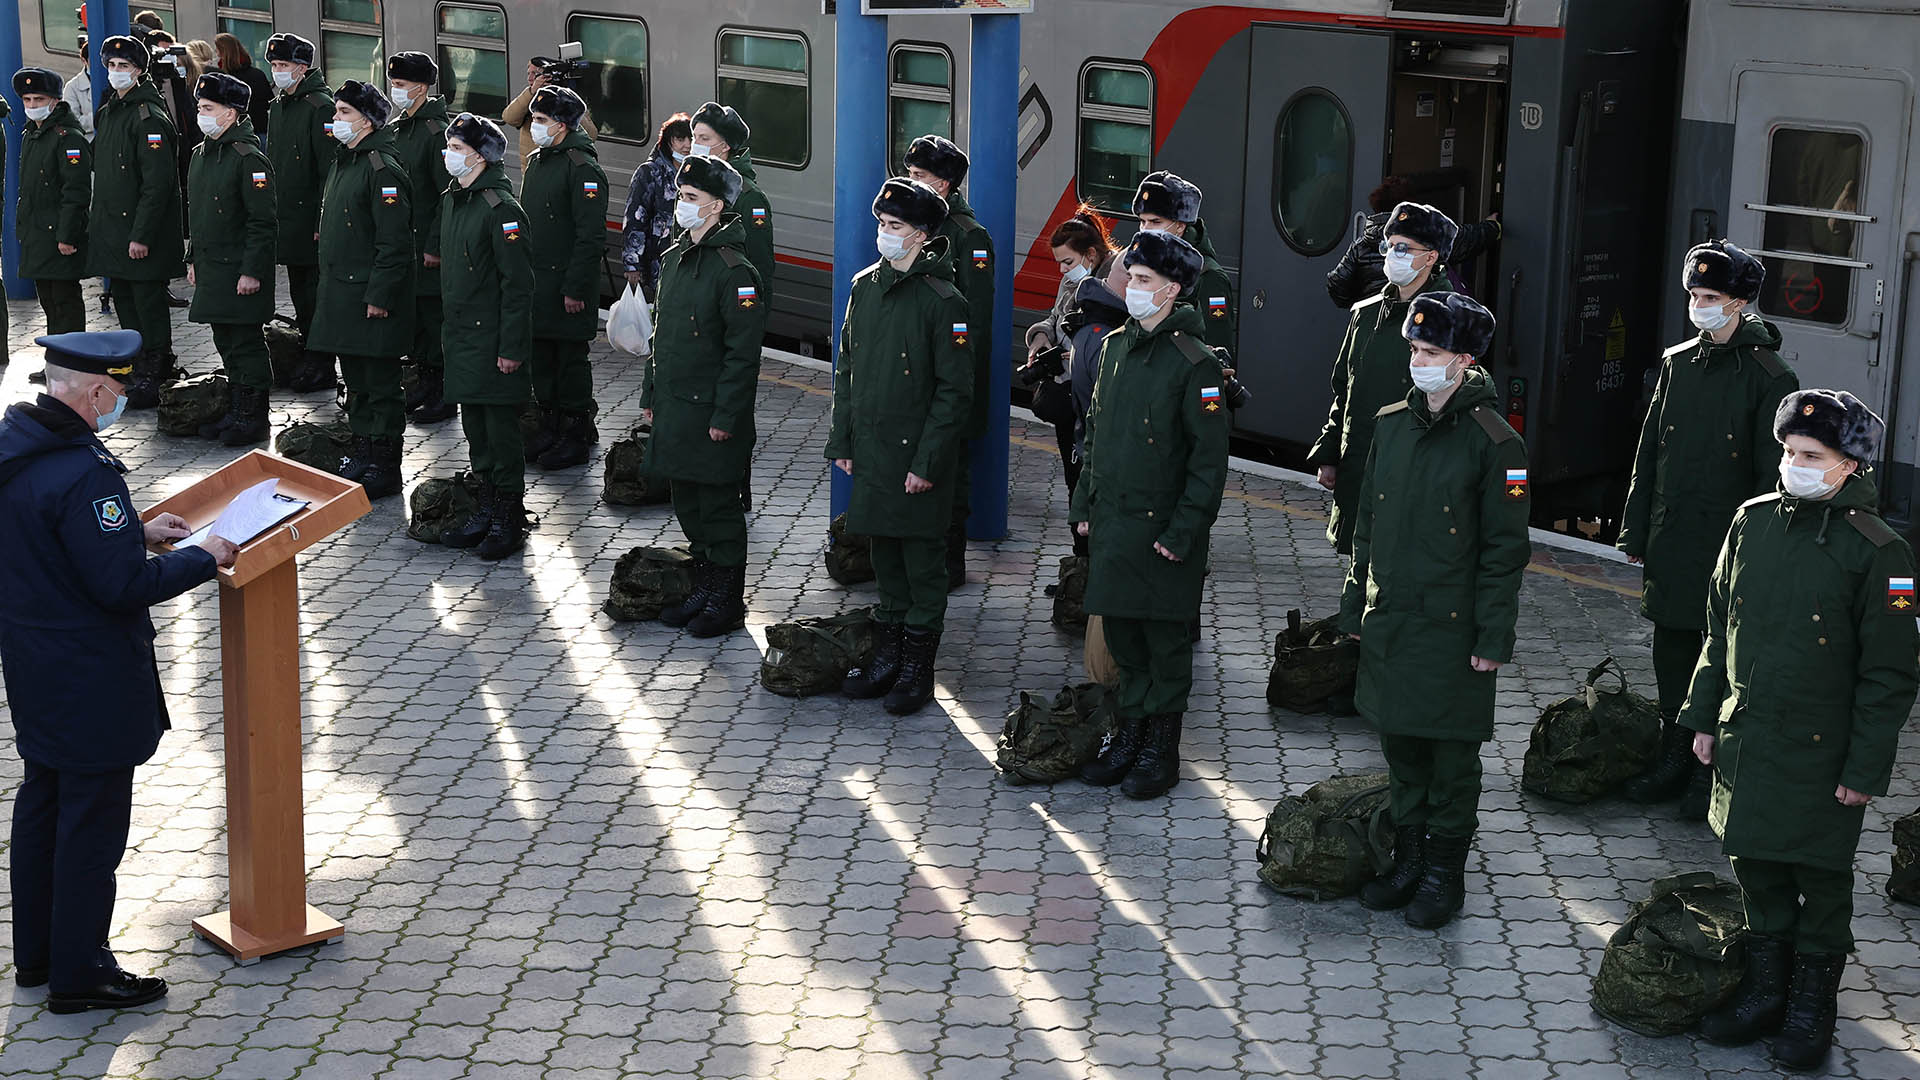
(269, 523)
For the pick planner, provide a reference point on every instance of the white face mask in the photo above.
(455, 161)
(39, 113)
(687, 215)
(209, 125)
(542, 134)
(402, 97)
(120, 80)
(283, 79)
(342, 130)
(1076, 275)
(1430, 379)
(891, 247)
(1140, 303)
(1709, 318)
(678, 156)
(1400, 269)
(700, 151)
(1804, 481)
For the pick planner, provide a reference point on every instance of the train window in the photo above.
(350, 46)
(472, 42)
(1116, 132)
(60, 26)
(919, 97)
(251, 21)
(764, 75)
(615, 85)
(1811, 223)
(1312, 171)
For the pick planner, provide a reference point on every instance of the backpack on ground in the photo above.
(1587, 745)
(624, 483)
(188, 403)
(647, 580)
(1904, 883)
(436, 505)
(317, 446)
(1044, 741)
(1070, 595)
(286, 347)
(812, 656)
(1331, 840)
(1095, 657)
(849, 556)
(1312, 662)
(1676, 958)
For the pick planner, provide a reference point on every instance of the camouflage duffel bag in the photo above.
(1676, 958)
(1045, 741)
(648, 580)
(286, 347)
(188, 403)
(812, 656)
(849, 556)
(1311, 662)
(624, 483)
(1070, 595)
(436, 505)
(1329, 841)
(1586, 745)
(1904, 883)
(318, 446)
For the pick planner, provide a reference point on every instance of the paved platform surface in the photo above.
(565, 847)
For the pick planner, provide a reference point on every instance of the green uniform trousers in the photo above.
(427, 354)
(1432, 782)
(66, 309)
(376, 406)
(1675, 654)
(963, 486)
(495, 447)
(715, 525)
(142, 306)
(562, 378)
(1155, 660)
(303, 286)
(243, 352)
(911, 572)
(1811, 906)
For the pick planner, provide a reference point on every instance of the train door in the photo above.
(1817, 180)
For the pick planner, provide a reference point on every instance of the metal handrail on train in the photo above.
(1802, 256)
(1812, 211)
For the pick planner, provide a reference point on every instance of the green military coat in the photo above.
(136, 188)
(1808, 672)
(302, 150)
(972, 252)
(1369, 373)
(487, 281)
(1155, 464)
(366, 253)
(418, 139)
(902, 385)
(230, 202)
(1707, 446)
(757, 214)
(56, 189)
(1213, 297)
(705, 368)
(1439, 545)
(565, 193)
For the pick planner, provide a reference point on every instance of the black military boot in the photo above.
(433, 407)
(545, 435)
(215, 428)
(1157, 768)
(1117, 753)
(882, 669)
(417, 395)
(1671, 771)
(683, 612)
(1393, 891)
(251, 424)
(1760, 1005)
(914, 688)
(359, 455)
(315, 373)
(1698, 798)
(470, 532)
(572, 442)
(382, 474)
(956, 555)
(507, 529)
(726, 609)
(1812, 1007)
(143, 390)
(1443, 888)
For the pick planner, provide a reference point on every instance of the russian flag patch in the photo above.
(155, 140)
(1900, 595)
(73, 156)
(389, 194)
(1516, 488)
(1217, 306)
(760, 215)
(510, 230)
(747, 295)
(590, 189)
(259, 179)
(1210, 398)
(959, 333)
(980, 257)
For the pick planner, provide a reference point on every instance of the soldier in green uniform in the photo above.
(302, 151)
(719, 131)
(231, 208)
(1167, 203)
(565, 193)
(136, 236)
(1706, 447)
(419, 136)
(942, 166)
(56, 186)
(486, 279)
(1155, 465)
(365, 311)
(1806, 679)
(700, 387)
(1439, 546)
(899, 435)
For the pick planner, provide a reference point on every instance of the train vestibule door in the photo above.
(1315, 143)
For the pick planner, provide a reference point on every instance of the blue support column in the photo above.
(18, 288)
(859, 164)
(993, 178)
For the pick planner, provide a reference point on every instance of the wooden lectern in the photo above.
(260, 671)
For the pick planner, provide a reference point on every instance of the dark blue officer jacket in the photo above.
(76, 644)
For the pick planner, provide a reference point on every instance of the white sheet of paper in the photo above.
(252, 512)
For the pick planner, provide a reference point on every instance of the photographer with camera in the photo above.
(543, 71)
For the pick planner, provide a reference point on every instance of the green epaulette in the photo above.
(1195, 352)
(942, 288)
(1758, 499)
(1387, 410)
(577, 156)
(1877, 532)
(733, 259)
(1680, 348)
(1768, 360)
(1496, 428)
(154, 112)
(1374, 299)
(966, 221)
(492, 195)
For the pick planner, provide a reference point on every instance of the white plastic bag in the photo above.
(630, 324)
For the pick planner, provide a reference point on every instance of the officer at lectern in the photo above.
(76, 647)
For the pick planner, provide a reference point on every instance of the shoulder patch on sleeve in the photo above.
(111, 514)
(1879, 534)
(1493, 425)
(1389, 410)
(1768, 360)
(1770, 496)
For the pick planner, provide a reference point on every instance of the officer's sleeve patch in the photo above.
(111, 515)
(1516, 485)
(959, 333)
(1217, 307)
(760, 216)
(1210, 398)
(389, 194)
(155, 141)
(590, 188)
(747, 296)
(510, 230)
(260, 180)
(1900, 595)
(73, 156)
(981, 258)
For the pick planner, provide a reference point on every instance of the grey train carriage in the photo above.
(1557, 114)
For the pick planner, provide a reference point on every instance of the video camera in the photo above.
(571, 64)
(1048, 363)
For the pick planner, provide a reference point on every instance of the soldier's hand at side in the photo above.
(915, 485)
(222, 550)
(1850, 797)
(165, 527)
(844, 464)
(647, 415)
(66, 249)
(430, 261)
(1636, 560)
(1355, 637)
(1482, 664)
(506, 366)
(1161, 551)
(1081, 527)
(246, 286)
(1325, 476)
(717, 435)
(1703, 748)
(574, 307)
(375, 312)
(138, 250)
(633, 278)
(191, 277)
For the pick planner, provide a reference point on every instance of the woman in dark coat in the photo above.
(650, 199)
(236, 61)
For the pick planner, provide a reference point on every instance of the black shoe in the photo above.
(143, 390)
(682, 613)
(1117, 753)
(422, 387)
(314, 374)
(251, 423)
(175, 301)
(507, 531)
(1760, 1006)
(470, 532)
(216, 428)
(433, 407)
(1443, 888)
(1395, 890)
(359, 455)
(882, 669)
(382, 475)
(544, 435)
(956, 555)
(1812, 1006)
(914, 688)
(27, 978)
(572, 443)
(1671, 771)
(726, 609)
(119, 990)
(1157, 769)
